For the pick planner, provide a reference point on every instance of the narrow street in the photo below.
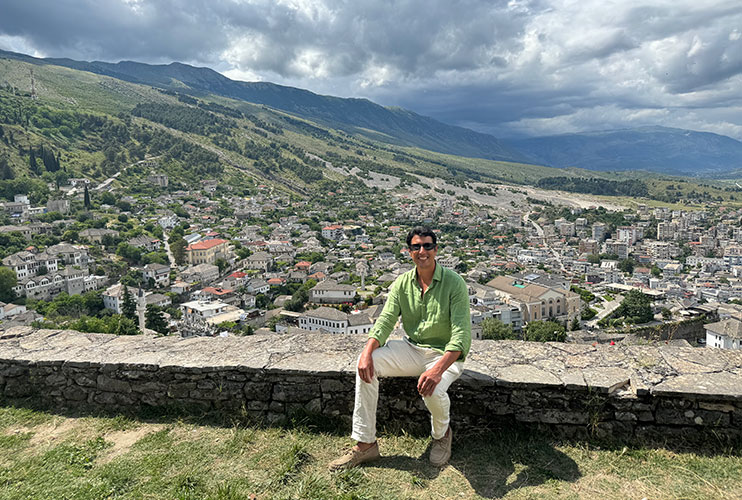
(170, 255)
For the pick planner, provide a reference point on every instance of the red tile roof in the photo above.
(205, 245)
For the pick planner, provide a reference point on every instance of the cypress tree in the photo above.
(129, 306)
(32, 161)
(155, 319)
(86, 201)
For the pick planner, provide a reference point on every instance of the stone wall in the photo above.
(577, 390)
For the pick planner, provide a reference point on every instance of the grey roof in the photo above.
(358, 319)
(731, 328)
(331, 285)
(328, 313)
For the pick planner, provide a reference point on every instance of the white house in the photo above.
(331, 320)
(160, 273)
(330, 292)
(726, 334)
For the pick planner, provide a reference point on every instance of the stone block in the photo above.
(55, 379)
(314, 406)
(113, 399)
(295, 392)
(551, 416)
(181, 391)
(149, 386)
(257, 405)
(258, 390)
(722, 386)
(208, 385)
(626, 416)
(723, 407)
(14, 371)
(706, 418)
(84, 380)
(332, 385)
(235, 376)
(18, 388)
(645, 416)
(108, 384)
(526, 376)
(606, 379)
(74, 393)
(154, 398)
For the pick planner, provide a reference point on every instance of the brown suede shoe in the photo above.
(354, 458)
(440, 450)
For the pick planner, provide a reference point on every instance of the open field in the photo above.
(44, 455)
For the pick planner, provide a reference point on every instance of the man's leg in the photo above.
(396, 358)
(439, 403)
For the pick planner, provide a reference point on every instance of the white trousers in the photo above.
(400, 358)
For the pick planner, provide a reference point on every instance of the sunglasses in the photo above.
(415, 247)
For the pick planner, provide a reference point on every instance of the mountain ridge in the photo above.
(653, 148)
(354, 115)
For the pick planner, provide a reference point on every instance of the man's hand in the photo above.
(366, 361)
(428, 381)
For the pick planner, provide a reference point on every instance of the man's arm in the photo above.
(366, 361)
(430, 379)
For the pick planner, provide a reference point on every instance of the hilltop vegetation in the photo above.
(87, 125)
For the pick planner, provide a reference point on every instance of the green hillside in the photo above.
(94, 126)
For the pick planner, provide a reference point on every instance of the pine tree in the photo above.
(86, 201)
(129, 306)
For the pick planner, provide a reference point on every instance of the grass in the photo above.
(43, 455)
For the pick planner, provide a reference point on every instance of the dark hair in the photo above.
(421, 231)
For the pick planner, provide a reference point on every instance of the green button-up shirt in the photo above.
(438, 319)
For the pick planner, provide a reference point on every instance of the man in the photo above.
(434, 304)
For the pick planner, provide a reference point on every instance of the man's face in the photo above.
(423, 259)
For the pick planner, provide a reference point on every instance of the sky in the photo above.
(514, 68)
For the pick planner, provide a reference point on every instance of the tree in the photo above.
(494, 329)
(545, 331)
(575, 324)
(86, 198)
(8, 280)
(126, 326)
(635, 306)
(626, 265)
(178, 247)
(154, 319)
(221, 264)
(6, 171)
(128, 306)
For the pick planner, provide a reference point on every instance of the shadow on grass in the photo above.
(488, 460)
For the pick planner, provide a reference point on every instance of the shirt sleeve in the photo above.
(388, 317)
(460, 320)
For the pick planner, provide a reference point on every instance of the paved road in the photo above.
(170, 255)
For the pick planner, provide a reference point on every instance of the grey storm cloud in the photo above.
(513, 67)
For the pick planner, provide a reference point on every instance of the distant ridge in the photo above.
(655, 149)
(359, 116)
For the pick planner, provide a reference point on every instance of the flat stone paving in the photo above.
(699, 373)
